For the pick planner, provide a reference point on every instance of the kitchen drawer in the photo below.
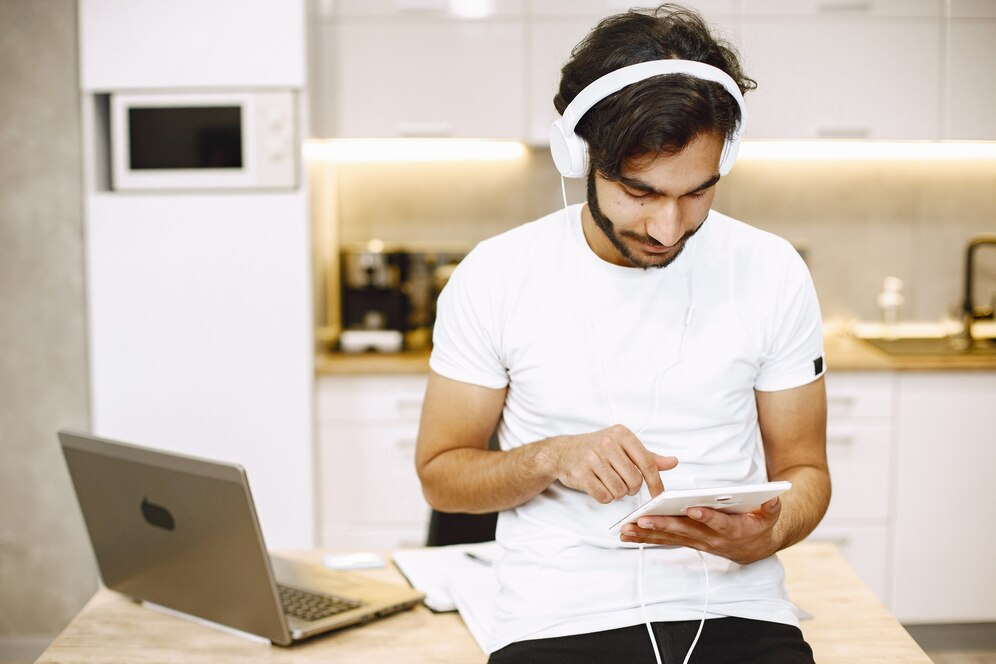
(371, 398)
(859, 395)
(368, 474)
(859, 458)
(866, 549)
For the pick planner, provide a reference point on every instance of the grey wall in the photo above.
(46, 567)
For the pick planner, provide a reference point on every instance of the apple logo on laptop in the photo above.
(157, 515)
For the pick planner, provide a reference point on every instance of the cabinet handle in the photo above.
(840, 440)
(831, 7)
(404, 443)
(424, 129)
(409, 406)
(421, 5)
(843, 132)
(836, 540)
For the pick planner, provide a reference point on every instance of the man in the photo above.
(639, 334)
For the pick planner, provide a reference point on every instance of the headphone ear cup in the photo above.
(730, 150)
(569, 151)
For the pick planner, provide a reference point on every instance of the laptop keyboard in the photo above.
(313, 606)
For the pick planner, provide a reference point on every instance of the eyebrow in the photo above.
(640, 185)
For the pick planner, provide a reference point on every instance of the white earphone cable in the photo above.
(656, 405)
(646, 618)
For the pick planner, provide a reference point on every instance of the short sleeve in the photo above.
(793, 347)
(466, 336)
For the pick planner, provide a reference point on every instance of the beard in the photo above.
(617, 237)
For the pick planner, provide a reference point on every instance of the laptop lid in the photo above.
(182, 533)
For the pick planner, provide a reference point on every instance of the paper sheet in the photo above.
(460, 578)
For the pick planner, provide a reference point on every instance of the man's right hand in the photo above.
(608, 464)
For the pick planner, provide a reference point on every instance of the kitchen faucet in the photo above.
(971, 313)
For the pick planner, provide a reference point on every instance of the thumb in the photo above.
(665, 462)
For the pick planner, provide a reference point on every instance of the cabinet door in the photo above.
(970, 79)
(558, 25)
(841, 76)
(369, 492)
(944, 537)
(866, 549)
(191, 43)
(369, 475)
(859, 456)
(550, 45)
(428, 78)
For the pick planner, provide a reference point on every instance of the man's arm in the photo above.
(793, 428)
(794, 431)
(459, 473)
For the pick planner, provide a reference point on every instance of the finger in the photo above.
(608, 486)
(630, 473)
(646, 463)
(617, 449)
(667, 536)
(713, 519)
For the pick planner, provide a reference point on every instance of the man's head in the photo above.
(660, 138)
(661, 114)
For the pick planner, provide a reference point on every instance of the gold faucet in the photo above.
(971, 312)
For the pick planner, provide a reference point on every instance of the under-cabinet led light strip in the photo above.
(355, 150)
(854, 150)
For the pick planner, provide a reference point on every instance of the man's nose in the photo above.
(665, 224)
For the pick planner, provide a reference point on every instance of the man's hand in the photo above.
(742, 538)
(608, 464)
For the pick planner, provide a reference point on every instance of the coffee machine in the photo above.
(375, 309)
(389, 295)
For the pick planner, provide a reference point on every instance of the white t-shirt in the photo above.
(675, 354)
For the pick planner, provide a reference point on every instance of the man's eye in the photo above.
(636, 194)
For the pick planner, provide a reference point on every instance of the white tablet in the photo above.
(733, 499)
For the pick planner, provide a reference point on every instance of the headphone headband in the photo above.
(570, 152)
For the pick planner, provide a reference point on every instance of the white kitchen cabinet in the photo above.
(191, 44)
(405, 73)
(970, 73)
(556, 26)
(844, 74)
(860, 440)
(945, 543)
(550, 47)
(369, 492)
(878, 69)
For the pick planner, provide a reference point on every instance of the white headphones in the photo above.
(570, 152)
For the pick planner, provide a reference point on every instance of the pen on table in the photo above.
(483, 561)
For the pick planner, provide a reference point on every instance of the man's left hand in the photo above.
(742, 538)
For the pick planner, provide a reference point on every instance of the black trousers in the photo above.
(733, 640)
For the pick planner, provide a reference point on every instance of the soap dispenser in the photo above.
(890, 300)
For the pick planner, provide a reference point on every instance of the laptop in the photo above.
(181, 533)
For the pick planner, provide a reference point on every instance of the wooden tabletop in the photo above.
(849, 626)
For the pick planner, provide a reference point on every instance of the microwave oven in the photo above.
(204, 140)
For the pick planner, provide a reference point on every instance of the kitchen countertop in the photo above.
(843, 353)
(848, 626)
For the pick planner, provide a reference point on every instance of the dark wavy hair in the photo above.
(661, 114)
